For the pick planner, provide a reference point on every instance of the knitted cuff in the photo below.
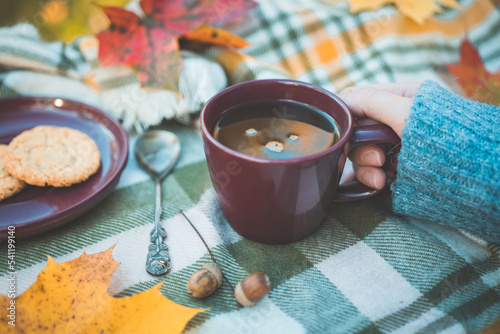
(449, 164)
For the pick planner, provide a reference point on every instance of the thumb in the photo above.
(378, 104)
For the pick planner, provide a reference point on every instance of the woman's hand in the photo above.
(386, 103)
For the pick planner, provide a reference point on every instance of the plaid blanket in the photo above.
(365, 270)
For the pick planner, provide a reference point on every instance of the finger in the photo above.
(380, 105)
(369, 155)
(373, 177)
(404, 89)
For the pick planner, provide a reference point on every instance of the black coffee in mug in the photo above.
(280, 129)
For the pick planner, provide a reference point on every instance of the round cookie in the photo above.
(52, 156)
(9, 185)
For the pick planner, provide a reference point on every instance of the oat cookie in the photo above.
(52, 156)
(9, 185)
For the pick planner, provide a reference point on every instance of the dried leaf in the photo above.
(152, 51)
(58, 20)
(475, 80)
(215, 36)
(71, 297)
(150, 44)
(417, 10)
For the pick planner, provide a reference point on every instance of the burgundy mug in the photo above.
(276, 201)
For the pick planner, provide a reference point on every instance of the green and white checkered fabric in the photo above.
(365, 270)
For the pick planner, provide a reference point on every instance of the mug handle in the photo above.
(371, 134)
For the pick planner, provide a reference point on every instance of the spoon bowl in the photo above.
(157, 152)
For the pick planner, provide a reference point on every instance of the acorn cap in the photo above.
(216, 271)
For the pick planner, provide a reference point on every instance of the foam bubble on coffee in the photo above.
(251, 132)
(275, 146)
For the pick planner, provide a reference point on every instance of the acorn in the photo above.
(205, 281)
(252, 289)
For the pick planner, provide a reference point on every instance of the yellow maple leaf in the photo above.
(417, 10)
(71, 297)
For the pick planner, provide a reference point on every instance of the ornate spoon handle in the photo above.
(158, 261)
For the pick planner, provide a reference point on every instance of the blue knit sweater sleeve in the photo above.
(449, 164)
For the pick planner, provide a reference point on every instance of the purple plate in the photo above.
(39, 209)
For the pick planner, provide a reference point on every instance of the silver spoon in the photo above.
(157, 152)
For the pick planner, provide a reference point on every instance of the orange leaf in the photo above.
(216, 36)
(417, 10)
(71, 297)
(475, 80)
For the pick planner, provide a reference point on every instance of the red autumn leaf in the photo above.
(149, 44)
(475, 80)
(186, 15)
